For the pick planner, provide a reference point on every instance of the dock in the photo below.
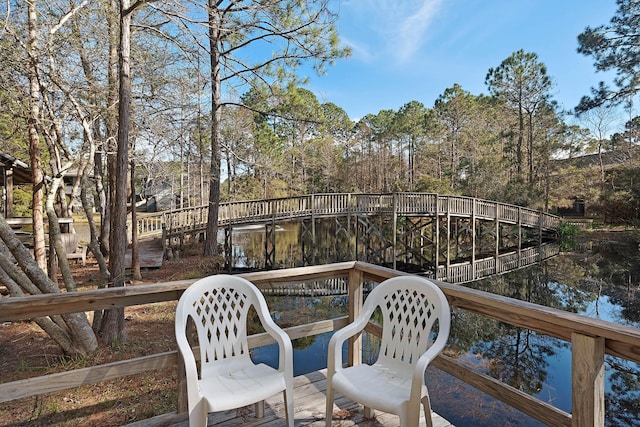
(150, 253)
(309, 399)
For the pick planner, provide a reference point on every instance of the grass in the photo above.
(26, 351)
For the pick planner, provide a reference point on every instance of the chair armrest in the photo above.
(191, 370)
(334, 360)
(284, 343)
(417, 378)
(285, 363)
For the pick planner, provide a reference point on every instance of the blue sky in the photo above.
(404, 50)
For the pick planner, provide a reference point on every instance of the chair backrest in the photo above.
(415, 316)
(70, 242)
(218, 306)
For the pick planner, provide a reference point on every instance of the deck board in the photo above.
(309, 400)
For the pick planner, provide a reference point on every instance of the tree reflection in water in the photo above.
(599, 280)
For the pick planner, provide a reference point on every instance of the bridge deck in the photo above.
(313, 206)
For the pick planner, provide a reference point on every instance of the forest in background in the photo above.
(275, 143)
(208, 101)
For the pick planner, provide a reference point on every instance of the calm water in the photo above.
(600, 280)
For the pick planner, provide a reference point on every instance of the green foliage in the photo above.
(614, 47)
(516, 192)
(566, 234)
(428, 184)
(21, 202)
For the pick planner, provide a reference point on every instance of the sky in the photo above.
(405, 50)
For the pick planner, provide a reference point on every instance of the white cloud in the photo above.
(394, 29)
(358, 49)
(412, 31)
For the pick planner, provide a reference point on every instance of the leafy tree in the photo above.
(381, 136)
(614, 47)
(413, 124)
(290, 32)
(337, 129)
(455, 110)
(522, 81)
(599, 120)
(298, 116)
(237, 145)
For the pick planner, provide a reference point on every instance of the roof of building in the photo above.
(21, 170)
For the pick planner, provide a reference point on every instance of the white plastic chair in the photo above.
(413, 311)
(228, 377)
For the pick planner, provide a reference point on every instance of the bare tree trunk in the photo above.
(111, 123)
(53, 329)
(94, 246)
(530, 149)
(55, 241)
(73, 334)
(112, 329)
(39, 248)
(211, 243)
(520, 139)
(135, 260)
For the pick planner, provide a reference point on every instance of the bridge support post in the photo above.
(228, 246)
(270, 246)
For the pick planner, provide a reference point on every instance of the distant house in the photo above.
(12, 172)
(576, 210)
(610, 159)
(160, 196)
(607, 160)
(71, 177)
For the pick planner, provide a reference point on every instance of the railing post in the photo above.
(587, 400)
(183, 400)
(356, 299)
(395, 228)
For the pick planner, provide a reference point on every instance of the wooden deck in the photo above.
(309, 400)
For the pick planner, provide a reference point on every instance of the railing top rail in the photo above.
(368, 195)
(621, 340)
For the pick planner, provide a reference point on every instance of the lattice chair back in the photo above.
(414, 314)
(219, 306)
(219, 310)
(415, 328)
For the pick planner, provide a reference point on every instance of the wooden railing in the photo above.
(473, 270)
(342, 204)
(590, 338)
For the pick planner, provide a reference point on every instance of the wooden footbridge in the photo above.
(452, 238)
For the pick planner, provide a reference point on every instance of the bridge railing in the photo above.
(415, 203)
(486, 209)
(342, 204)
(468, 271)
(150, 224)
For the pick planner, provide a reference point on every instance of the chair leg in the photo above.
(426, 404)
(410, 417)
(198, 415)
(410, 420)
(288, 407)
(259, 409)
(368, 412)
(329, 410)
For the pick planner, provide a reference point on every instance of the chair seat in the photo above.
(240, 386)
(375, 386)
